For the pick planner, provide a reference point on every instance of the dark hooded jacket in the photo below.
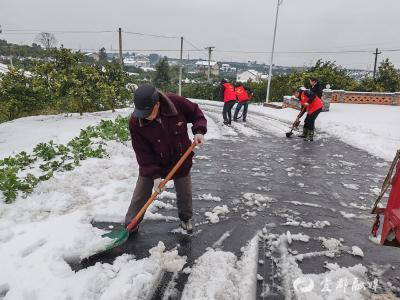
(159, 143)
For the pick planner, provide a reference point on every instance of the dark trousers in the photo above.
(238, 108)
(227, 111)
(309, 122)
(144, 189)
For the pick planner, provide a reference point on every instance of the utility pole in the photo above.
(273, 48)
(121, 61)
(376, 60)
(210, 50)
(180, 68)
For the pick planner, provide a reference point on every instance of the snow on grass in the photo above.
(220, 275)
(25, 133)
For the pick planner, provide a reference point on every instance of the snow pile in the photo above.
(126, 278)
(220, 275)
(356, 251)
(209, 197)
(317, 224)
(351, 186)
(338, 283)
(213, 216)
(257, 199)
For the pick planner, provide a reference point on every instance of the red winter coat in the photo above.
(241, 94)
(159, 144)
(314, 102)
(229, 92)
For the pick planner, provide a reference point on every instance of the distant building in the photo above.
(147, 69)
(93, 55)
(251, 75)
(138, 61)
(202, 66)
(227, 68)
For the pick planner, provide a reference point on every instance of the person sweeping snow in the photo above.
(243, 95)
(228, 95)
(158, 129)
(313, 105)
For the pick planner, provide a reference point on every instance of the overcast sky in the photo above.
(229, 25)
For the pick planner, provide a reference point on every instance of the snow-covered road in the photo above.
(307, 203)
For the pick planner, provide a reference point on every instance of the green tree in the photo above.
(115, 92)
(161, 76)
(387, 79)
(17, 95)
(388, 76)
(328, 72)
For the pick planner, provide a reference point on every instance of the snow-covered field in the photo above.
(40, 232)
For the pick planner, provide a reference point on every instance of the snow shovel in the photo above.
(295, 124)
(119, 237)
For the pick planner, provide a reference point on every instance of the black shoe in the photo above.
(235, 120)
(244, 120)
(226, 123)
(187, 225)
(311, 135)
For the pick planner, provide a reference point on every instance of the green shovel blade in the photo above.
(118, 237)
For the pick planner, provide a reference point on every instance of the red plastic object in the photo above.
(391, 223)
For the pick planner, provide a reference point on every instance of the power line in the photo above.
(23, 31)
(193, 45)
(27, 31)
(152, 35)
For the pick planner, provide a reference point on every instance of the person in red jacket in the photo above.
(227, 94)
(313, 105)
(158, 129)
(243, 95)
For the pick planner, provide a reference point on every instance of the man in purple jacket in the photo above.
(158, 128)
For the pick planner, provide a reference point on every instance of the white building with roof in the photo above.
(251, 75)
(202, 66)
(138, 61)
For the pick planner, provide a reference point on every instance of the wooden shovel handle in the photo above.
(171, 174)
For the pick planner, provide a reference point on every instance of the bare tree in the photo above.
(46, 39)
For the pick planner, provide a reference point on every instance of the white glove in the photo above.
(199, 139)
(156, 185)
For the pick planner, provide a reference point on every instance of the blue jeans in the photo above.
(239, 107)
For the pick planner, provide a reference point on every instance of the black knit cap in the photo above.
(146, 96)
